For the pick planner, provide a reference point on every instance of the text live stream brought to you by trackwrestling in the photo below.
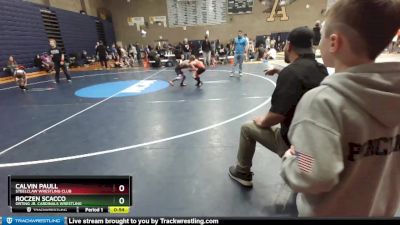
(57, 220)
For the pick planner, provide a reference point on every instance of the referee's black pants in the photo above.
(57, 67)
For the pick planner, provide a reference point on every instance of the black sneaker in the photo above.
(244, 179)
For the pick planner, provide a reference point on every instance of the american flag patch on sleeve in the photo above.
(305, 162)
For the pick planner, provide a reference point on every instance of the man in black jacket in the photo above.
(187, 51)
(101, 51)
(317, 33)
(206, 48)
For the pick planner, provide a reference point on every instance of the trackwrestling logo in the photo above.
(33, 220)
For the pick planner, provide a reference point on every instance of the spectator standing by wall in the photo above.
(206, 48)
(317, 33)
(186, 49)
(102, 54)
(240, 49)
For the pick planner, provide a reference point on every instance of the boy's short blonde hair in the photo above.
(368, 24)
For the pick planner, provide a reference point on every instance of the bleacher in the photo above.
(24, 33)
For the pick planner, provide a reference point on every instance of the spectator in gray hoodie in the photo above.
(345, 134)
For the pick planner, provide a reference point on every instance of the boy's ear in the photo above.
(289, 46)
(335, 42)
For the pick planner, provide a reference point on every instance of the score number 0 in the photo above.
(121, 200)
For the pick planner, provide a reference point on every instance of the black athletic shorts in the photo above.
(200, 71)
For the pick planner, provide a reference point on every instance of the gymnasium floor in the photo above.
(176, 142)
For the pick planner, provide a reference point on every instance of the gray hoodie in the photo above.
(346, 134)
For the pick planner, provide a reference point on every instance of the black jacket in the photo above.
(206, 46)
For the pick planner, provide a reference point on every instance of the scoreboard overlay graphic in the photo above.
(70, 194)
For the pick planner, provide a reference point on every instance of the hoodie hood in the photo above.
(375, 88)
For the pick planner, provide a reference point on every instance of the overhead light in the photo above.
(282, 3)
(143, 33)
(307, 6)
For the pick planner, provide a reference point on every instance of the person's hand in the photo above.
(62, 63)
(290, 152)
(259, 121)
(271, 71)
